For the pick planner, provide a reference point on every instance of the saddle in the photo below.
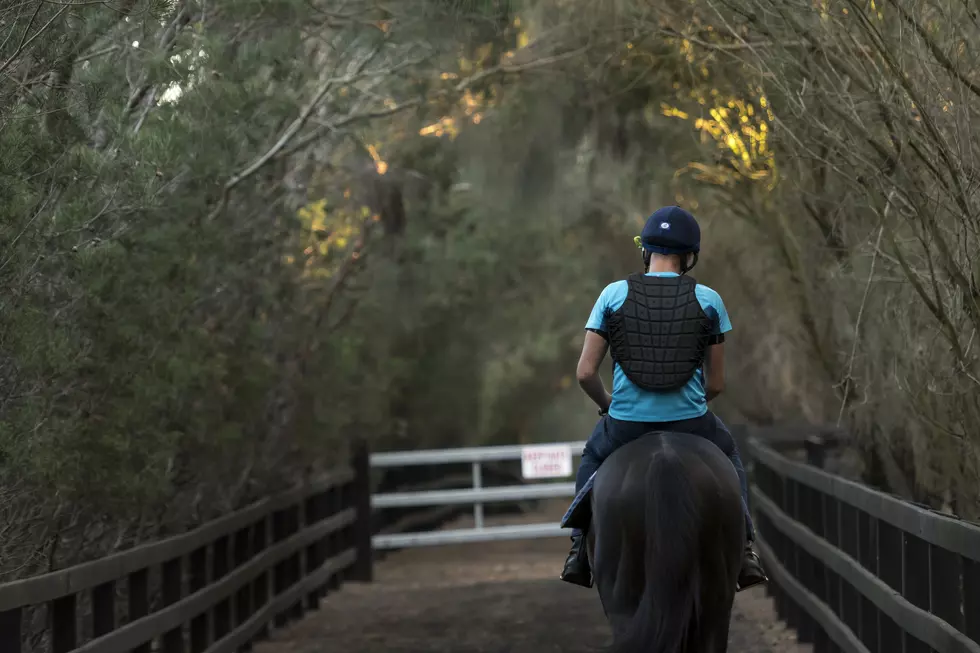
(579, 514)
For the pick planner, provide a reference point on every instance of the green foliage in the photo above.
(274, 225)
(166, 337)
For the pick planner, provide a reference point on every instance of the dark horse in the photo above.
(666, 544)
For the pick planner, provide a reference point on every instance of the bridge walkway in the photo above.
(499, 597)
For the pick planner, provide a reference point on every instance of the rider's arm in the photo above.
(714, 360)
(593, 351)
(714, 369)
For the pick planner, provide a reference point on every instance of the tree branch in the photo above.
(25, 41)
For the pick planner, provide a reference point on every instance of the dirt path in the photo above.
(502, 597)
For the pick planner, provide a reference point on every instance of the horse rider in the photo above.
(666, 333)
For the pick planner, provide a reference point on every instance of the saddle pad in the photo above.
(579, 514)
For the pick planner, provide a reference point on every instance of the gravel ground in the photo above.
(502, 597)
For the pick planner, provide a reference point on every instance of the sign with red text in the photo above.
(546, 461)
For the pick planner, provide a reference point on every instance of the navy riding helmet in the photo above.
(671, 230)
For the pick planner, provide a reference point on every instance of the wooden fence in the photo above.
(221, 586)
(854, 570)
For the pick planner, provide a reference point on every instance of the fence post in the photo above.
(362, 570)
(478, 485)
(335, 540)
(103, 609)
(220, 566)
(10, 630)
(260, 587)
(280, 531)
(200, 628)
(312, 513)
(171, 590)
(243, 597)
(816, 451)
(64, 634)
(138, 587)
(296, 562)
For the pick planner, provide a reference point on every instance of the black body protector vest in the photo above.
(660, 334)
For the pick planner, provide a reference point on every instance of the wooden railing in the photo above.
(859, 571)
(221, 586)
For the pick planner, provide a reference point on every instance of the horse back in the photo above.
(691, 450)
(628, 479)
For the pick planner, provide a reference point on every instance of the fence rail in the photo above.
(224, 585)
(854, 570)
(221, 585)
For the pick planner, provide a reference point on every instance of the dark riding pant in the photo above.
(610, 434)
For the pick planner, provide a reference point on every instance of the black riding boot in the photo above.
(577, 570)
(752, 572)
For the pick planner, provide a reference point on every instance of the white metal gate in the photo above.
(476, 495)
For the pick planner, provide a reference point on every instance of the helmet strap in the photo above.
(685, 270)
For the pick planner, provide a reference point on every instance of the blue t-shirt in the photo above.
(630, 402)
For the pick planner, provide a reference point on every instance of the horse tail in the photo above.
(668, 613)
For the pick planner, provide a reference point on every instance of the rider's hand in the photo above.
(605, 409)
